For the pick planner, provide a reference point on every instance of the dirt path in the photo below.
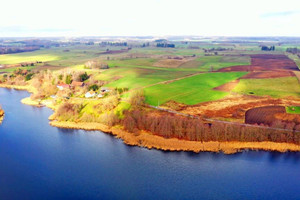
(227, 87)
(297, 73)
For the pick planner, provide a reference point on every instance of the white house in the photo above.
(90, 94)
(104, 89)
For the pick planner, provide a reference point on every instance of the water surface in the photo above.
(38, 161)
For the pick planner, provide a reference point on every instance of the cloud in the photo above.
(280, 14)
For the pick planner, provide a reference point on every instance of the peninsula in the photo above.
(189, 97)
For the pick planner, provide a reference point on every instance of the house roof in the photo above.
(63, 85)
(91, 92)
(77, 83)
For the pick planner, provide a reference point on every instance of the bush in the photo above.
(83, 77)
(94, 87)
(28, 76)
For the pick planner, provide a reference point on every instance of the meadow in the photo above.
(293, 109)
(275, 87)
(191, 90)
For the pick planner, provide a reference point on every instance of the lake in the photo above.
(38, 161)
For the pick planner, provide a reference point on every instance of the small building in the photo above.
(77, 84)
(63, 86)
(104, 89)
(100, 95)
(90, 94)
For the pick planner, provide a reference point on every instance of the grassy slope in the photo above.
(191, 90)
(276, 87)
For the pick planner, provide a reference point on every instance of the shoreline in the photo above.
(1, 115)
(150, 141)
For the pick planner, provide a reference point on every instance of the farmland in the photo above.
(219, 79)
(191, 90)
(276, 87)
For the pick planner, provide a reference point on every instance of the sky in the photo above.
(149, 17)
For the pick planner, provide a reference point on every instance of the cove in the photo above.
(38, 161)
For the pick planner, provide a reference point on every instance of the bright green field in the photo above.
(137, 77)
(191, 90)
(276, 87)
(26, 57)
(293, 109)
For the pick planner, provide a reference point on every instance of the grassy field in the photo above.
(276, 87)
(191, 90)
(137, 77)
(295, 58)
(293, 109)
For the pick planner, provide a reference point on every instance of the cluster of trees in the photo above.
(293, 50)
(266, 48)
(8, 50)
(102, 112)
(217, 49)
(89, 43)
(146, 44)
(96, 64)
(165, 45)
(121, 90)
(18, 77)
(124, 44)
(167, 125)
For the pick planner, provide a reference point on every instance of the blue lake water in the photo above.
(38, 161)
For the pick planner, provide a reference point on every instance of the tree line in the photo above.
(293, 50)
(266, 48)
(175, 126)
(165, 45)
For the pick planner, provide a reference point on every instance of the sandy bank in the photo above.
(150, 141)
(1, 115)
(30, 102)
(18, 87)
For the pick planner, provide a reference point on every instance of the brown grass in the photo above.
(232, 106)
(150, 141)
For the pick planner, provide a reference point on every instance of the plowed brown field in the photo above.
(268, 74)
(265, 62)
(263, 115)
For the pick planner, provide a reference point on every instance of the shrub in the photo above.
(29, 76)
(94, 87)
(83, 77)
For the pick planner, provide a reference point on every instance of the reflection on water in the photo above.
(38, 161)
